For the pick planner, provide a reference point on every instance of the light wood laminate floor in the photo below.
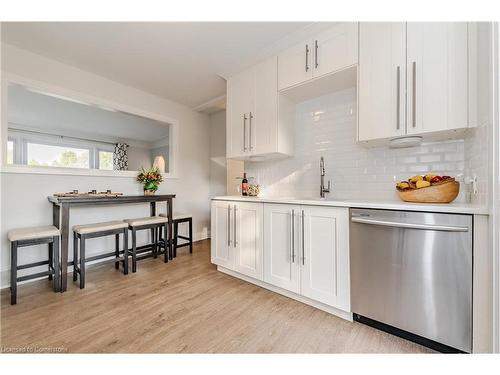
(185, 306)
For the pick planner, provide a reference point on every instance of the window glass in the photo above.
(57, 156)
(106, 160)
(10, 152)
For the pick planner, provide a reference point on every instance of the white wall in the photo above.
(218, 153)
(24, 196)
(138, 157)
(326, 126)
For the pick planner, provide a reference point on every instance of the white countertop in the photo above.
(458, 208)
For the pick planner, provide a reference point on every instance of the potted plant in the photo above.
(150, 179)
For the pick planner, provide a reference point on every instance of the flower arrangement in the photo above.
(151, 179)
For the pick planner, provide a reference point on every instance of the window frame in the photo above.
(48, 89)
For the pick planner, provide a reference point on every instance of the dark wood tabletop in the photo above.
(106, 200)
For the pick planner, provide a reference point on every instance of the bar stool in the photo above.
(176, 220)
(29, 237)
(153, 223)
(87, 231)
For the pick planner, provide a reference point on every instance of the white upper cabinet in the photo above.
(335, 48)
(327, 52)
(263, 137)
(295, 65)
(413, 79)
(252, 126)
(240, 96)
(437, 76)
(381, 80)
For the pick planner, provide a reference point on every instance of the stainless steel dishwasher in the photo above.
(411, 275)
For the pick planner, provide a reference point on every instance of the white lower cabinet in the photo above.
(248, 239)
(281, 246)
(325, 255)
(300, 249)
(237, 237)
(221, 242)
(306, 251)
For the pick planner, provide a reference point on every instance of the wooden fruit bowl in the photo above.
(445, 192)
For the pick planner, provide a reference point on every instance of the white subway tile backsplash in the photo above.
(326, 126)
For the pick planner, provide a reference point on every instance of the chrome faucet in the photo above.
(322, 189)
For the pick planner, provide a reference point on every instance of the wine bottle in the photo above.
(244, 185)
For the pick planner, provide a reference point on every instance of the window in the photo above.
(10, 152)
(57, 156)
(106, 160)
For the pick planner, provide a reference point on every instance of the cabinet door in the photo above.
(240, 92)
(437, 76)
(281, 246)
(335, 48)
(295, 65)
(263, 122)
(221, 240)
(325, 258)
(381, 80)
(248, 239)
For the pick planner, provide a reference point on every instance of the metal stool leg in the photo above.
(13, 273)
(117, 251)
(155, 242)
(51, 257)
(134, 250)
(165, 242)
(125, 251)
(190, 223)
(82, 261)
(55, 265)
(75, 256)
(176, 232)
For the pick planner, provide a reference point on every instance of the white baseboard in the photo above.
(321, 306)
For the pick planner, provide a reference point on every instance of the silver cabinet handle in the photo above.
(443, 228)
(293, 236)
(414, 98)
(303, 241)
(398, 98)
(229, 225)
(316, 64)
(244, 132)
(235, 243)
(250, 132)
(307, 57)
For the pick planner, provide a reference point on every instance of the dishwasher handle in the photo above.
(443, 228)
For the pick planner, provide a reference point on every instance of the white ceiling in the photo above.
(181, 61)
(28, 110)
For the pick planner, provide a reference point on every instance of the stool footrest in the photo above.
(35, 275)
(36, 264)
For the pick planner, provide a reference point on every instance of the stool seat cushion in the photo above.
(99, 227)
(33, 233)
(178, 216)
(146, 221)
